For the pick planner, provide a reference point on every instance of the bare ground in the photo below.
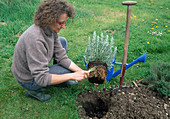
(133, 102)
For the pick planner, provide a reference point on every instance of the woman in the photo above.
(38, 45)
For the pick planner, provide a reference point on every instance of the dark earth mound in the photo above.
(129, 103)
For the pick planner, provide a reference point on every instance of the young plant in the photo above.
(99, 55)
(100, 49)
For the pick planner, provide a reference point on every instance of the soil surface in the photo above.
(132, 102)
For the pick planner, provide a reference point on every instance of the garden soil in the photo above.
(133, 102)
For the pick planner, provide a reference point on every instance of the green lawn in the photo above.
(149, 32)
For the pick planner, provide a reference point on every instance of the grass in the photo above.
(92, 15)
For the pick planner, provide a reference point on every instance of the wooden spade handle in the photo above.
(126, 39)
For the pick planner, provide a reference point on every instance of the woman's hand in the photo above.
(80, 75)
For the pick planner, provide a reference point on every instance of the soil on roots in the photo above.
(128, 103)
(98, 75)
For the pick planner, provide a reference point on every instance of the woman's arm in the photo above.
(74, 67)
(78, 75)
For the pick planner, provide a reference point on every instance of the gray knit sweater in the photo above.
(33, 52)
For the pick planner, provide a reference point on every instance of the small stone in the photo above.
(131, 93)
(166, 114)
(165, 106)
(123, 93)
(153, 97)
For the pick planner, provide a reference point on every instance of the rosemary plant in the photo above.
(101, 49)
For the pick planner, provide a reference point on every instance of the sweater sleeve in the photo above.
(60, 54)
(36, 55)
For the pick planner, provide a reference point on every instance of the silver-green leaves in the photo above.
(100, 48)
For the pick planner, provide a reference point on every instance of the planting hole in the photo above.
(97, 109)
(94, 106)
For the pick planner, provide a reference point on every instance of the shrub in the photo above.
(159, 78)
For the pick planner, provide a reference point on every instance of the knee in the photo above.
(58, 69)
(63, 42)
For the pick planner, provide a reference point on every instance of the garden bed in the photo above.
(133, 102)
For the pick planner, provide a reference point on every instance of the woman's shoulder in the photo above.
(33, 32)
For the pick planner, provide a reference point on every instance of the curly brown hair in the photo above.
(50, 10)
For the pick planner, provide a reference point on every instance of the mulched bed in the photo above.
(133, 102)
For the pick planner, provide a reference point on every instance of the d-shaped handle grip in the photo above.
(129, 3)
